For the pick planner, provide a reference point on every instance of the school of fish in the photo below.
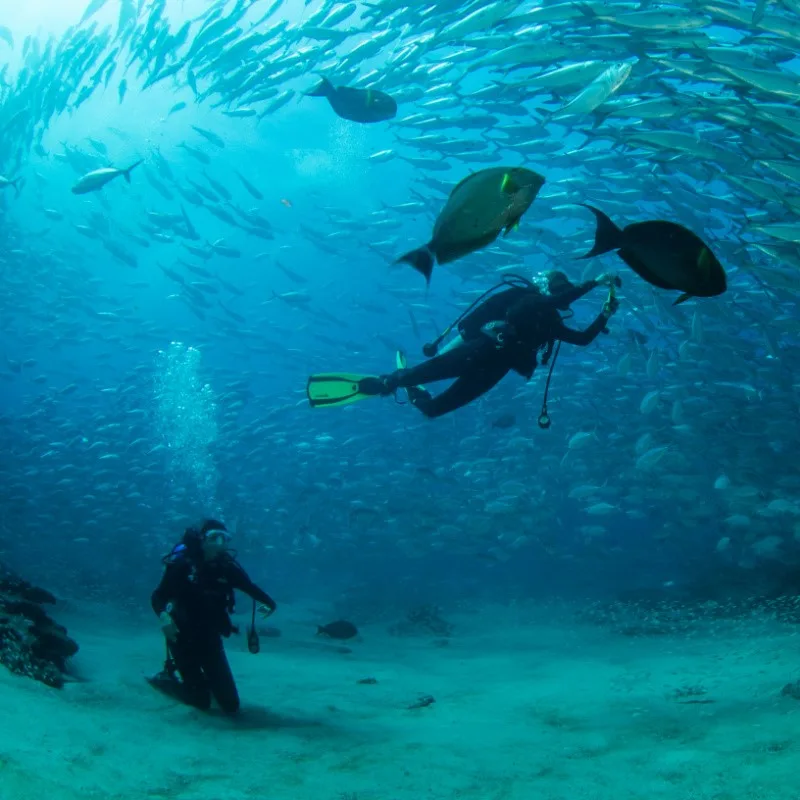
(682, 423)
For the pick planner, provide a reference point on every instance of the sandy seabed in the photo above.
(545, 710)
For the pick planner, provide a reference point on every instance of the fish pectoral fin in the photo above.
(704, 261)
(508, 184)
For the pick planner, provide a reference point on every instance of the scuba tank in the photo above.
(430, 349)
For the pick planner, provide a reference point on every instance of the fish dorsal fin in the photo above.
(464, 181)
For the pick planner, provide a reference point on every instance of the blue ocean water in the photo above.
(158, 333)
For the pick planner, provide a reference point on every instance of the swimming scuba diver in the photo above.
(499, 333)
(193, 602)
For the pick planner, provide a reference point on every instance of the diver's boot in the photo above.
(383, 385)
(164, 681)
(380, 386)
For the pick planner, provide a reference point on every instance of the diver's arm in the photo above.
(583, 338)
(568, 297)
(165, 591)
(240, 580)
(530, 304)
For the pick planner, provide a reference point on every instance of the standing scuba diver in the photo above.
(498, 333)
(193, 602)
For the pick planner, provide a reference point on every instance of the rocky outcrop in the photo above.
(31, 643)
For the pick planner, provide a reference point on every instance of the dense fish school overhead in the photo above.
(279, 161)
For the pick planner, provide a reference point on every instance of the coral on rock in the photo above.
(31, 643)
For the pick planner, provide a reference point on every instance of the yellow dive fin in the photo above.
(336, 389)
(402, 363)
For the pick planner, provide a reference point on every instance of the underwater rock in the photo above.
(423, 701)
(31, 643)
(791, 690)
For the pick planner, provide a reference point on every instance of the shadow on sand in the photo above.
(259, 718)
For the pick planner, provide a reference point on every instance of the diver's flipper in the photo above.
(168, 685)
(402, 363)
(330, 389)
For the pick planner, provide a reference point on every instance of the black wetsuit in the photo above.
(199, 597)
(529, 322)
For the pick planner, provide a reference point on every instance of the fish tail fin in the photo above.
(421, 259)
(16, 184)
(545, 115)
(127, 172)
(323, 89)
(607, 237)
(597, 119)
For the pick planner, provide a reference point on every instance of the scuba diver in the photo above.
(193, 602)
(500, 332)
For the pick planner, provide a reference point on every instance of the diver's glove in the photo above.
(608, 279)
(168, 626)
(265, 611)
(610, 307)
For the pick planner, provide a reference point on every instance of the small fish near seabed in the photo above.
(341, 629)
(356, 105)
(97, 179)
(665, 254)
(477, 210)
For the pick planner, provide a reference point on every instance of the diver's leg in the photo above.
(467, 388)
(193, 688)
(219, 675)
(446, 366)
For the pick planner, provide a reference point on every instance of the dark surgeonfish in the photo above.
(341, 629)
(665, 254)
(357, 105)
(482, 205)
